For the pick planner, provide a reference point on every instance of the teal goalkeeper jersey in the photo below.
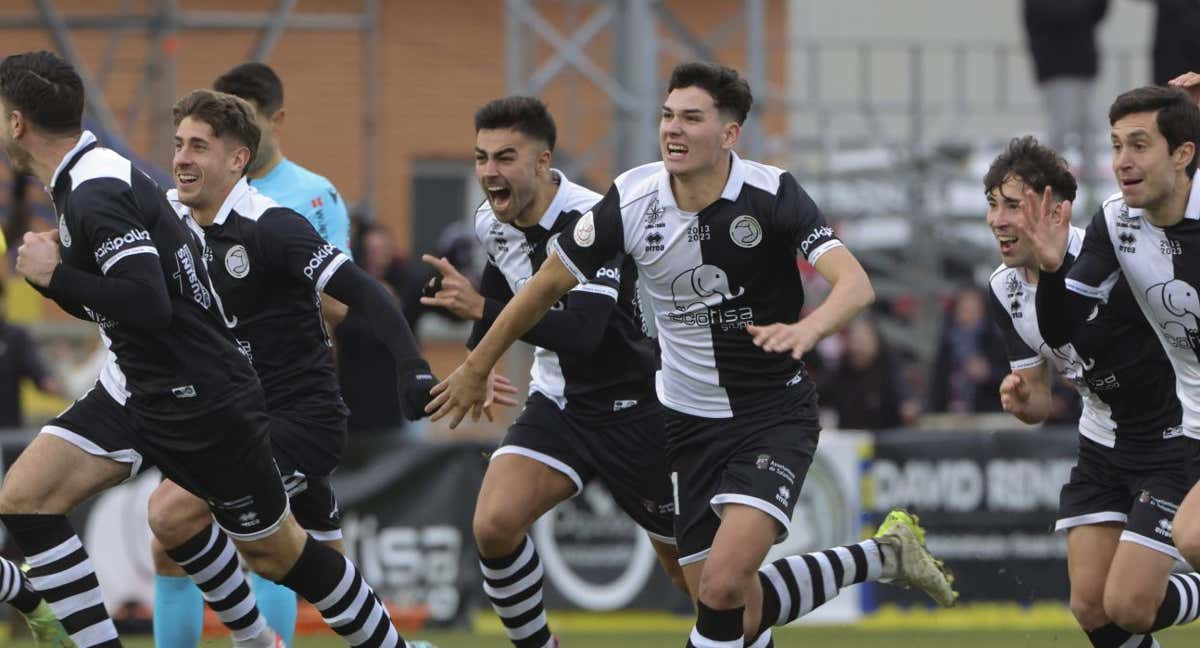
(297, 188)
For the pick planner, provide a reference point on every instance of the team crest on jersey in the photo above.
(64, 234)
(237, 262)
(585, 231)
(1012, 285)
(745, 231)
(654, 213)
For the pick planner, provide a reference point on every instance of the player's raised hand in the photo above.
(1190, 82)
(796, 338)
(1014, 394)
(452, 291)
(463, 392)
(1046, 225)
(38, 256)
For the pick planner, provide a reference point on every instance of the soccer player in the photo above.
(177, 603)
(592, 412)
(267, 263)
(1130, 476)
(1142, 235)
(714, 239)
(177, 392)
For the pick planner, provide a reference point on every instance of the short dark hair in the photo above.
(526, 115)
(1038, 165)
(45, 88)
(255, 82)
(1177, 116)
(225, 113)
(730, 92)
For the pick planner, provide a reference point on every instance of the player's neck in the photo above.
(1172, 209)
(546, 190)
(1031, 273)
(48, 153)
(268, 167)
(701, 188)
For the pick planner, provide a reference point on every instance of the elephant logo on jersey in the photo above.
(64, 234)
(237, 262)
(745, 231)
(704, 285)
(1073, 364)
(1176, 308)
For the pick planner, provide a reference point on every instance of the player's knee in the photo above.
(497, 533)
(1186, 534)
(724, 586)
(171, 521)
(1088, 609)
(274, 556)
(1133, 612)
(15, 501)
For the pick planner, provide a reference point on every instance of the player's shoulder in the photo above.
(253, 204)
(1004, 280)
(1114, 209)
(639, 183)
(762, 176)
(310, 180)
(485, 219)
(575, 197)
(100, 164)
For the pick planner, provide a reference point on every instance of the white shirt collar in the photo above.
(733, 186)
(239, 191)
(85, 139)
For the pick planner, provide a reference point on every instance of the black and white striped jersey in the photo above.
(591, 355)
(708, 275)
(1162, 267)
(1114, 359)
(268, 266)
(112, 219)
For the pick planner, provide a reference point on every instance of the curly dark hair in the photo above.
(225, 113)
(1038, 165)
(730, 92)
(45, 89)
(526, 115)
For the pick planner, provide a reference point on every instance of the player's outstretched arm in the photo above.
(578, 329)
(1025, 393)
(464, 391)
(851, 293)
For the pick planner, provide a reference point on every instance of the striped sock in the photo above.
(61, 570)
(211, 561)
(1182, 603)
(797, 585)
(717, 628)
(513, 584)
(1113, 636)
(16, 590)
(329, 581)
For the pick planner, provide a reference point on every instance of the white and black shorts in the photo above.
(758, 461)
(1138, 486)
(222, 456)
(307, 451)
(626, 451)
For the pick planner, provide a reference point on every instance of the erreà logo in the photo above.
(117, 242)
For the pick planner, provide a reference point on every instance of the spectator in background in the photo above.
(971, 360)
(1062, 41)
(19, 358)
(865, 389)
(1176, 39)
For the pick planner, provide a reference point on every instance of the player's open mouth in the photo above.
(676, 151)
(186, 179)
(1007, 243)
(1130, 182)
(499, 195)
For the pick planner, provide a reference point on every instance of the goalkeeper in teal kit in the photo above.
(178, 605)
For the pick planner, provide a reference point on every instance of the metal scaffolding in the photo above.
(162, 22)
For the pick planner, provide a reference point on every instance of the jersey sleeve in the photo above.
(802, 221)
(1096, 269)
(289, 242)
(607, 278)
(593, 239)
(1020, 356)
(112, 229)
(337, 220)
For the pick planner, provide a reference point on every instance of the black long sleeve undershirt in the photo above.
(134, 292)
(1060, 312)
(577, 330)
(356, 289)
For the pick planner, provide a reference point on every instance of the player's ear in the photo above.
(1183, 154)
(278, 118)
(730, 134)
(543, 161)
(17, 124)
(241, 159)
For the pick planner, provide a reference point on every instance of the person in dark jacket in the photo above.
(1066, 60)
(1176, 45)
